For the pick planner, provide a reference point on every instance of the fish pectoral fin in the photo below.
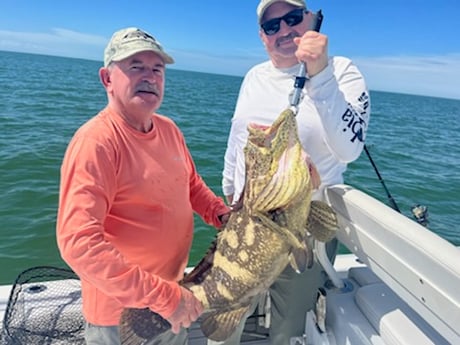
(322, 221)
(285, 233)
(220, 325)
(302, 258)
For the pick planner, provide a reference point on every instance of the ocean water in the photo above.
(413, 140)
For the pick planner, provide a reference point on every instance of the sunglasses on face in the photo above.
(292, 18)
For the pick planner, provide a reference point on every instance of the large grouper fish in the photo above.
(273, 226)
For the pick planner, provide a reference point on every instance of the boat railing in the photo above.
(418, 265)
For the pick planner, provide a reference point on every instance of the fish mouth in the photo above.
(277, 171)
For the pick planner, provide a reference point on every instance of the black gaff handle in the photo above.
(301, 78)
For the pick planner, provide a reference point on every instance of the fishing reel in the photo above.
(420, 213)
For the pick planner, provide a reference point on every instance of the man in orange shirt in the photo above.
(128, 191)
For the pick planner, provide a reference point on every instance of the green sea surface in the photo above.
(413, 140)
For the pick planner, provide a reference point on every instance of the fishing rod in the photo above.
(420, 212)
(299, 84)
(390, 198)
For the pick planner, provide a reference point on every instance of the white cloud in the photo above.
(78, 37)
(424, 75)
(61, 42)
(214, 62)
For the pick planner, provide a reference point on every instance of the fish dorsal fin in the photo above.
(219, 326)
(198, 274)
(322, 221)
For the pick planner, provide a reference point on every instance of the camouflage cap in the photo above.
(129, 41)
(264, 4)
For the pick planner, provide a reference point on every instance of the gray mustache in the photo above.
(147, 87)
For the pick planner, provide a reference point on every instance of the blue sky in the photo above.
(408, 46)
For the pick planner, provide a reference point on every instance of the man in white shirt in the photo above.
(333, 115)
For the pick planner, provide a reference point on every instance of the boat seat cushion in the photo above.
(393, 319)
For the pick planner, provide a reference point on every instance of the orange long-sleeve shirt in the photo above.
(125, 218)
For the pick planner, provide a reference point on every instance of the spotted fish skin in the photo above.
(271, 228)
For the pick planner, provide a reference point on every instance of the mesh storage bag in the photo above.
(44, 307)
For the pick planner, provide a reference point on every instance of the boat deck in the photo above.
(254, 332)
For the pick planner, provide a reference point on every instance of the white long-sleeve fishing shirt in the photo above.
(332, 119)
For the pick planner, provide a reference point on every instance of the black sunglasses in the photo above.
(292, 18)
